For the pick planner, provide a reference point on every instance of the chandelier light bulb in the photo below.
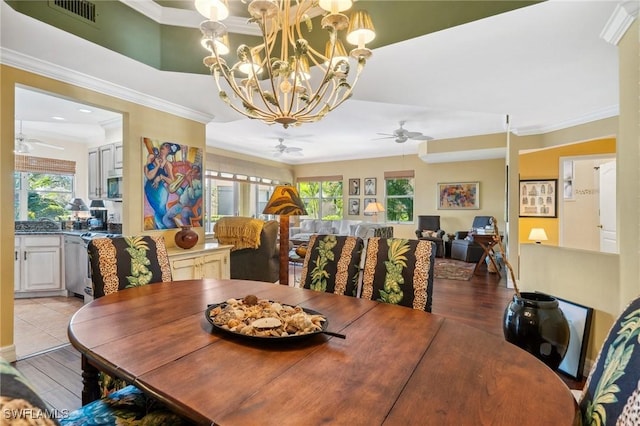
(335, 6)
(214, 10)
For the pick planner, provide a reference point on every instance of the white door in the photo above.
(608, 236)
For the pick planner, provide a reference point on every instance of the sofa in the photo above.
(357, 228)
(261, 263)
(463, 247)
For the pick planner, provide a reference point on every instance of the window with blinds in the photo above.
(42, 187)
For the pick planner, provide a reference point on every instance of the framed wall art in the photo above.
(458, 195)
(370, 186)
(172, 176)
(354, 186)
(579, 318)
(538, 198)
(354, 206)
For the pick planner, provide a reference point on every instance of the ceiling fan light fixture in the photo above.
(288, 95)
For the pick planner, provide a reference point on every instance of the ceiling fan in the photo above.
(281, 149)
(402, 135)
(24, 145)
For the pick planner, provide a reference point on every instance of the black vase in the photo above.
(535, 323)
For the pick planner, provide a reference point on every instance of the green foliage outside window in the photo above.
(46, 195)
(399, 197)
(323, 200)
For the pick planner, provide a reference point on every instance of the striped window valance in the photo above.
(399, 174)
(27, 163)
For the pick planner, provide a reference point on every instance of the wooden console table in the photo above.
(487, 242)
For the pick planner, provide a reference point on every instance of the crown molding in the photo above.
(66, 75)
(620, 21)
(608, 112)
(187, 18)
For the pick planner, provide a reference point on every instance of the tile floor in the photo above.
(40, 324)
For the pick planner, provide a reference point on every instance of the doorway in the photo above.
(51, 127)
(579, 204)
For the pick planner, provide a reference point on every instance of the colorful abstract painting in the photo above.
(172, 184)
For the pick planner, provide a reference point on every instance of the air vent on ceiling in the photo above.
(81, 8)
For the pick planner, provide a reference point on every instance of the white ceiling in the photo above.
(545, 65)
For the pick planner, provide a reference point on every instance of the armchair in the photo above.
(463, 247)
(262, 263)
(429, 229)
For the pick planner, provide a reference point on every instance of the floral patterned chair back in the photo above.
(612, 392)
(399, 271)
(331, 264)
(121, 262)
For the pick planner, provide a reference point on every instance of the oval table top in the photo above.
(397, 366)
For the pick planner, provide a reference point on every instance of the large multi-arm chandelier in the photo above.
(273, 81)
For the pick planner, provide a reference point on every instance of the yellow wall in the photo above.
(544, 164)
(489, 173)
(138, 121)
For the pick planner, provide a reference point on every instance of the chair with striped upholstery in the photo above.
(332, 264)
(399, 271)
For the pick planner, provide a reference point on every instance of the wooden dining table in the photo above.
(396, 366)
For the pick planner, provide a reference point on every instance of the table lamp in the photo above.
(284, 202)
(374, 209)
(77, 205)
(537, 235)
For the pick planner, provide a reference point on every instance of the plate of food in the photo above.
(266, 320)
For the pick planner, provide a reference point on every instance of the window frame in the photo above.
(389, 203)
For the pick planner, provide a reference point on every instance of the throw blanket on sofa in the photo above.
(242, 232)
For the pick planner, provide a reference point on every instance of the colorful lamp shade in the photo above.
(284, 202)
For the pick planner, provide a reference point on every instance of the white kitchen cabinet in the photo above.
(38, 262)
(117, 156)
(101, 165)
(210, 260)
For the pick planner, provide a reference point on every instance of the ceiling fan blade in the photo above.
(292, 149)
(412, 135)
(387, 134)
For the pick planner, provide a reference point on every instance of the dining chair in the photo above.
(121, 262)
(129, 261)
(332, 264)
(23, 405)
(399, 271)
(611, 395)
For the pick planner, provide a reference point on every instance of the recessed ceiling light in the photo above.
(86, 111)
(58, 118)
